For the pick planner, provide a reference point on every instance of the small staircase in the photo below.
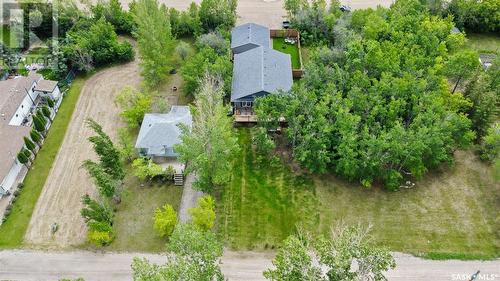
(178, 179)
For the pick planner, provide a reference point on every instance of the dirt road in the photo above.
(66, 183)
(40, 266)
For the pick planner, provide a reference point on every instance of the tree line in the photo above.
(375, 106)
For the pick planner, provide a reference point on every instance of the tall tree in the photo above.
(193, 255)
(134, 105)
(484, 96)
(461, 66)
(109, 155)
(95, 211)
(217, 13)
(154, 38)
(377, 107)
(347, 254)
(106, 185)
(209, 146)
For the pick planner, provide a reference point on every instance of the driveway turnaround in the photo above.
(28, 265)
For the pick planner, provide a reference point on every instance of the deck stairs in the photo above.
(178, 179)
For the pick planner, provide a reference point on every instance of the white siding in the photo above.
(23, 109)
(10, 178)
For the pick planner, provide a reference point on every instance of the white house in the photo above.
(19, 98)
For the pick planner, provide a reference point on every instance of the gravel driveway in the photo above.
(27, 265)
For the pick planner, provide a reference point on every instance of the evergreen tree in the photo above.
(109, 155)
(36, 137)
(29, 144)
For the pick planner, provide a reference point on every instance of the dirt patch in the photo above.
(66, 183)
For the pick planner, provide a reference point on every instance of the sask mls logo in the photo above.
(27, 29)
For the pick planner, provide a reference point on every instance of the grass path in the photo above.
(13, 229)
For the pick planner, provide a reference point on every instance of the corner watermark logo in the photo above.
(478, 276)
(28, 31)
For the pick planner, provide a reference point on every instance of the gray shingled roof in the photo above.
(160, 130)
(250, 33)
(12, 93)
(260, 70)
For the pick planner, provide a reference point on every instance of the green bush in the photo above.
(165, 219)
(264, 145)
(100, 238)
(203, 215)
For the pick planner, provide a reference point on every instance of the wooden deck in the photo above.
(245, 118)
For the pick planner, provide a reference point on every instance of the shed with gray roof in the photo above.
(249, 36)
(160, 132)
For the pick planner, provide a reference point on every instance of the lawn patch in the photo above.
(13, 229)
(485, 43)
(450, 214)
(134, 216)
(279, 44)
(263, 203)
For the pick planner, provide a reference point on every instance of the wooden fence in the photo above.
(293, 33)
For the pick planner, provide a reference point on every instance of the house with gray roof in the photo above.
(248, 36)
(258, 70)
(160, 132)
(19, 98)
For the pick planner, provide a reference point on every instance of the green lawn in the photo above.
(263, 204)
(449, 214)
(134, 217)
(13, 230)
(484, 42)
(293, 50)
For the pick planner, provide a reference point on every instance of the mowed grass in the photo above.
(279, 44)
(133, 221)
(488, 43)
(264, 203)
(449, 214)
(13, 229)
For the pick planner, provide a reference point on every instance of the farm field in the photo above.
(449, 214)
(279, 44)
